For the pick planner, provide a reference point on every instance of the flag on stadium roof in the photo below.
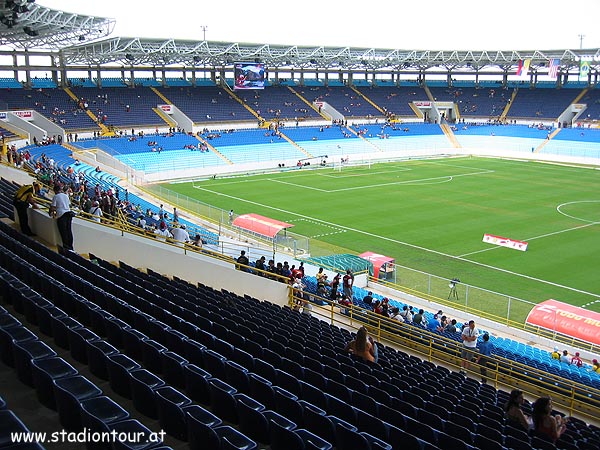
(553, 68)
(584, 70)
(523, 68)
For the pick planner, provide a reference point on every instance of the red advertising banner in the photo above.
(505, 242)
(566, 319)
(27, 115)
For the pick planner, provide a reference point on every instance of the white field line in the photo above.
(395, 241)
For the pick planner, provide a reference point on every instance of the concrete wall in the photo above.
(137, 251)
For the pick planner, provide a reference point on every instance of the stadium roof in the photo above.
(160, 52)
(25, 25)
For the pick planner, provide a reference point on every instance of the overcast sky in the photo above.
(412, 24)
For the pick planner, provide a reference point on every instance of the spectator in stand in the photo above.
(395, 314)
(242, 260)
(320, 274)
(322, 284)
(469, 337)
(406, 314)
(555, 354)
(595, 366)
(565, 357)
(514, 414)
(181, 235)
(443, 324)
(60, 209)
(22, 200)
(385, 306)
(485, 352)
(451, 327)
(96, 212)
(418, 318)
(377, 308)
(576, 360)
(197, 242)
(348, 282)
(362, 346)
(335, 283)
(368, 299)
(544, 422)
(260, 265)
(162, 232)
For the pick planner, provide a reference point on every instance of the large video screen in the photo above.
(249, 76)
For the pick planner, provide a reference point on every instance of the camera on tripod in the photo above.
(452, 286)
(453, 283)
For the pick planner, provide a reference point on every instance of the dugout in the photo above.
(383, 267)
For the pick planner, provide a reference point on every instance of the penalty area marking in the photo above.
(335, 230)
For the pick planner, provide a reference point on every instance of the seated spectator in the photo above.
(419, 318)
(362, 346)
(197, 242)
(260, 265)
(514, 413)
(544, 422)
(242, 260)
(377, 309)
(395, 314)
(434, 324)
(368, 299)
(595, 366)
(443, 324)
(576, 360)
(451, 327)
(406, 314)
(565, 357)
(385, 306)
(555, 354)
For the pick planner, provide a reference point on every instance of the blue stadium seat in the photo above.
(97, 355)
(69, 392)
(44, 371)
(25, 353)
(118, 367)
(97, 413)
(171, 411)
(222, 400)
(143, 391)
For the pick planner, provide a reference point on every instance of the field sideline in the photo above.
(431, 215)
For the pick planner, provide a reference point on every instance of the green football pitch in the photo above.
(431, 215)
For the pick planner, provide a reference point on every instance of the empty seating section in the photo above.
(474, 102)
(258, 395)
(251, 146)
(5, 133)
(344, 99)
(592, 100)
(10, 83)
(543, 104)
(394, 100)
(207, 104)
(123, 107)
(278, 103)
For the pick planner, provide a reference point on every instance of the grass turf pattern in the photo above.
(431, 215)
